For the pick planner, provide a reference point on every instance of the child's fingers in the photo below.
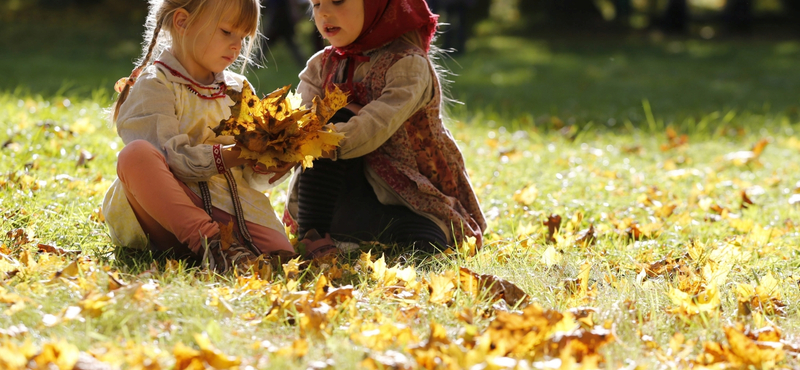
(283, 167)
(279, 170)
(277, 176)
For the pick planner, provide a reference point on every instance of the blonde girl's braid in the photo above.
(123, 94)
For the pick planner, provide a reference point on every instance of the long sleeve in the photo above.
(150, 113)
(408, 88)
(311, 79)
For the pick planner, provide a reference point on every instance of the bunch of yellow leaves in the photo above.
(276, 129)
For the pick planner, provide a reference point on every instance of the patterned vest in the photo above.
(421, 161)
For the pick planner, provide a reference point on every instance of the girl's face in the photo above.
(339, 21)
(208, 45)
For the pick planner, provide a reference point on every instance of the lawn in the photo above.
(642, 197)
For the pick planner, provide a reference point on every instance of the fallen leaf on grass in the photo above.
(13, 301)
(674, 140)
(707, 301)
(551, 256)
(20, 236)
(553, 223)
(527, 195)
(386, 360)
(70, 272)
(586, 237)
(491, 287)
(747, 157)
(56, 250)
(384, 336)
(746, 202)
(187, 358)
(83, 158)
(441, 288)
(742, 350)
(540, 331)
(764, 297)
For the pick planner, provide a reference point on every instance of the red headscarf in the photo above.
(384, 21)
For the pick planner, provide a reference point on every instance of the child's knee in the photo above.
(136, 153)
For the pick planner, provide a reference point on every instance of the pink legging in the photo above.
(170, 213)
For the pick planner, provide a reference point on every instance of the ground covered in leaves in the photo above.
(624, 233)
(673, 246)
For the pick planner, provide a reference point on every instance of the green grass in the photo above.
(570, 118)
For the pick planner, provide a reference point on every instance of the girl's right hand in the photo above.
(230, 156)
(278, 171)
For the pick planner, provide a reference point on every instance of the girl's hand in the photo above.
(230, 155)
(355, 108)
(278, 171)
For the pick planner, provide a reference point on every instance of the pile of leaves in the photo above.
(278, 129)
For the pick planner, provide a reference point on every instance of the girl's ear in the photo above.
(180, 19)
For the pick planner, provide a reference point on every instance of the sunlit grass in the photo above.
(595, 177)
(548, 132)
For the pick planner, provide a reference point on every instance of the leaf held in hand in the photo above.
(273, 130)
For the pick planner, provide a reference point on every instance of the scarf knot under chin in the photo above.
(385, 21)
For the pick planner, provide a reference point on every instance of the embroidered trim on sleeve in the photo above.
(217, 150)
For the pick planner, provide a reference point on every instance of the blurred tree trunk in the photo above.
(792, 9)
(739, 15)
(623, 11)
(676, 17)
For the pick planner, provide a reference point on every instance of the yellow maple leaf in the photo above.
(759, 354)
(707, 301)
(275, 130)
(441, 287)
(61, 354)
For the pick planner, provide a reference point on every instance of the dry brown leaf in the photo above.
(586, 237)
(553, 223)
(674, 140)
(56, 250)
(491, 287)
(746, 202)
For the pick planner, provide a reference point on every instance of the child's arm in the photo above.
(149, 114)
(311, 80)
(409, 87)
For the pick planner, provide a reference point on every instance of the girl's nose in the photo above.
(322, 9)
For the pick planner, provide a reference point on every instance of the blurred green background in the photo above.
(521, 62)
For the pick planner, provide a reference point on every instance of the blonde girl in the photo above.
(398, 176)
(178, 182)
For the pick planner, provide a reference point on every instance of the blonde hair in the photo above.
(160, 33)
(435, 55)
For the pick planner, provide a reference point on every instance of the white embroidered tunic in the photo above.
(163, 110)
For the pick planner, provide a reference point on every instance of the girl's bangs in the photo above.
(245, 14)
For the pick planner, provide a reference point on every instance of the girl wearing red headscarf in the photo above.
(398, 176)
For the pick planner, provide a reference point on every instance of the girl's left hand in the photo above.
(278, 171)
(354, 107)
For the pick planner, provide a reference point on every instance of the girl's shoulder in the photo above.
(151, 83)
